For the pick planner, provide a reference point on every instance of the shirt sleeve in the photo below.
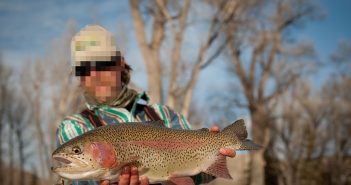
(171, 118)
(70, 128)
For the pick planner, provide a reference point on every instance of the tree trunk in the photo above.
(150, 49)
(261, 136)
(257, 168)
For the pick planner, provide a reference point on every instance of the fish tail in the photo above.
(249, 145)
(237, 131)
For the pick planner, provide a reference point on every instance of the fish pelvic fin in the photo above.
(237, 130)
(219, 168)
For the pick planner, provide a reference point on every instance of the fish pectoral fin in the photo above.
(132, 161)
(219, 168)
(142, 171)
(181, 181)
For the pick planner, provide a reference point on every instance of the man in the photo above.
(104, 77)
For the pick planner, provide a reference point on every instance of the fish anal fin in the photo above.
(181, 181)
(219, 168)
(142, 171)
(132, 161)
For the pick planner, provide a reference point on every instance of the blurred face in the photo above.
(103, 85)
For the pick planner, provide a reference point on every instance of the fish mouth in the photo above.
(71, 164)
(75, 168)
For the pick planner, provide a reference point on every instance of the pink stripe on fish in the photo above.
(177, 145)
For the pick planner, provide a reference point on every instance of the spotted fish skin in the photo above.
(160, 153)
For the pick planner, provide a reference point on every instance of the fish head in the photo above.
(85, 160)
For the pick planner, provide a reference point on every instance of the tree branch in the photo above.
(178, 37)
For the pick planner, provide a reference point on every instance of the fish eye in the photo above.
(76, 150)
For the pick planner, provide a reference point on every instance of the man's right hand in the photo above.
(129, 176)
(224, 151)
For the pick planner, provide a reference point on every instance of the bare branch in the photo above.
(150, 51)
(215, 55)
(255, 54)
(178, 37)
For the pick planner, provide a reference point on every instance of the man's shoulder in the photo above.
(171, 118)
(160, 106)
(74, 118)
(76, 121)
(72, 126)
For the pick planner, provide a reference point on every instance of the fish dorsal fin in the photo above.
(219, 168)
(158, 123)
(238, 128)
(181, 181)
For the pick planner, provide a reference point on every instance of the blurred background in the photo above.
(282, 65)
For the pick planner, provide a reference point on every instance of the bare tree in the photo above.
(172, 18)
(5, 73)
(33, 78)
(6, 125)
(341, 59)
(340, 130)
(272, 67)
(299, 136)
(336, 92)
(50, 87)
(311, 137)
(20, 132)
(66, 97)
(14, 126)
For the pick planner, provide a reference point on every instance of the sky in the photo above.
(28, 26)
(327, 33)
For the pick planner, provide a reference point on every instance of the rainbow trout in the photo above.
(161, 154)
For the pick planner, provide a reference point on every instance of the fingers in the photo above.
(125, 176)
(134, 176)
(144, 181)
(130, 176)
(214, 128)
(224, 151)
(227, 152)
(105, 182)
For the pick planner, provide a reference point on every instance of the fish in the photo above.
(161, 154)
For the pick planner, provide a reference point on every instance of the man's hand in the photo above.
(129, 176)
(224, 151)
